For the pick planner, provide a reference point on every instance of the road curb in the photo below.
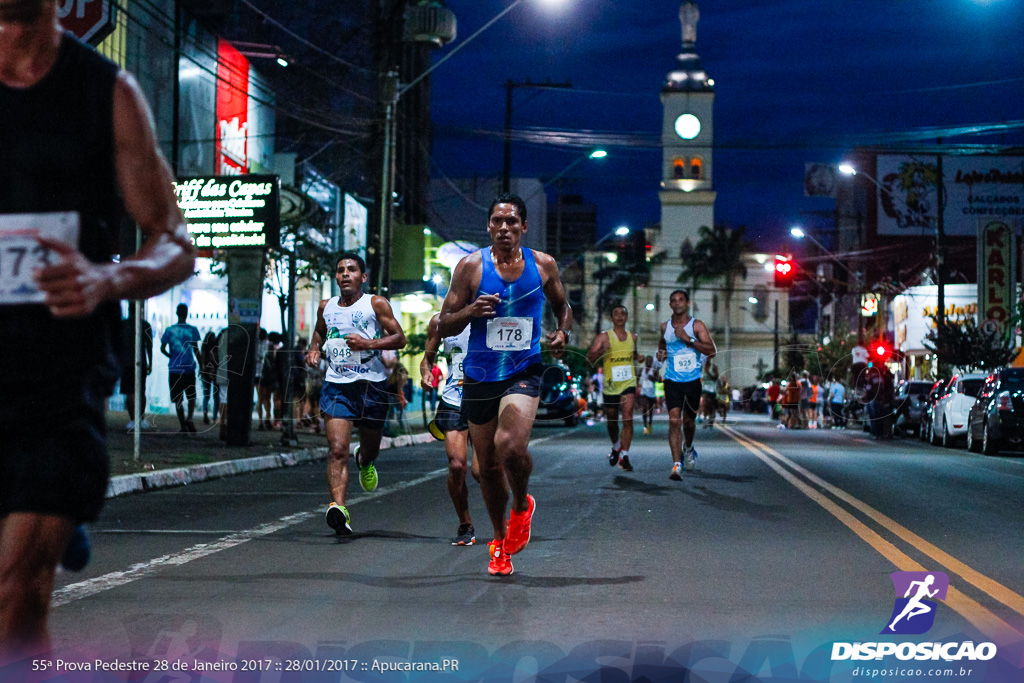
(182, 476)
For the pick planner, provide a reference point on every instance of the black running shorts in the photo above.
(685, 395)
(481, 400)
(57, 465)
(449, 418)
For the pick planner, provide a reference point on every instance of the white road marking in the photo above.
(99, 584)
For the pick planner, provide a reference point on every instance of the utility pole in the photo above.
(510, 86)
(940, 242)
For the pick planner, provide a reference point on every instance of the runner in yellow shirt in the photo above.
(617, 348)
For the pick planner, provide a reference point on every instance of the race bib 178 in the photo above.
(509, 334)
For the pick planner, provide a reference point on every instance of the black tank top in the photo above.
(57, 154)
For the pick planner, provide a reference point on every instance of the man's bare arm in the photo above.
(316, 340)
(556, 297)
(457, 311)
(704, 343)
(598, 348)
(430, 348)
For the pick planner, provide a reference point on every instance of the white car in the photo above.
(949, 415)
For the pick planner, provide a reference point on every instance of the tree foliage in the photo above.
(967, 345)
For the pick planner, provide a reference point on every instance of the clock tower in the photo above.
(687, 191)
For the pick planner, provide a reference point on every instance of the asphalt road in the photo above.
(751, 568)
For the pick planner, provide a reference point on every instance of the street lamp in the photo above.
(940, 276)
(594, 154)
(391, 93)
(800, 233)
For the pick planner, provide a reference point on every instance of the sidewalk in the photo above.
(169, 458)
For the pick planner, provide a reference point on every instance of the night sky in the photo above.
(796, 81)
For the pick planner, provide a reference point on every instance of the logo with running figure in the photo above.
(914, 612)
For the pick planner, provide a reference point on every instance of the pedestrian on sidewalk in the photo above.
(54, 464)
(128, 367)
(208, 374)
(180, 343)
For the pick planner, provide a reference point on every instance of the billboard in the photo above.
(356, 219)
(226, 212)
(232, 135)
(979, 189)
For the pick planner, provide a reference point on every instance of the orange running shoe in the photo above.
(518, 534)
(501, 563)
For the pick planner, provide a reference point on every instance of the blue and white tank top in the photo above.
(343, 364)
(683, 363)
(455, 349)
(508, 343)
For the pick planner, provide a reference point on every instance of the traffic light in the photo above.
(879, 351)
(784, 270)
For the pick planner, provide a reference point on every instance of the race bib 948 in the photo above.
(21, 254)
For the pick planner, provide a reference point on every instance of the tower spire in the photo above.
(689, 74)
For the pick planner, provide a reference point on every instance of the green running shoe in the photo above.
(339, 520)
(368, 477)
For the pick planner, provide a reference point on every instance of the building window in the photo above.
(678, 168)
(696, 168)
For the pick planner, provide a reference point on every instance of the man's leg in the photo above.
(675, 435)
(626, 404)
(455, 447)
(31, 545)
(129, 406)
(492, 476)
(369, 444)
(190, 394)
(339, 436)
(515, 424)
(612, 413)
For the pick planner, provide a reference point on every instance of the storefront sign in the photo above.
(996, 276)
(232, 211)
(868, 305)
(232, 134)
(915, 309)
(356, 219)
(978, 188)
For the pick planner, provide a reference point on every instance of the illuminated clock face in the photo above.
(687, 126)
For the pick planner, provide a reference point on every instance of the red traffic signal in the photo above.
(784, 270)
(880, 351)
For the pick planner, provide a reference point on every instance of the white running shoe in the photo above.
(689, 459)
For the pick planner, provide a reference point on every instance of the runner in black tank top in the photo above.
(75, 133)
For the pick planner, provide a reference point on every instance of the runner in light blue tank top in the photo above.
(508, 343)
(685, 343)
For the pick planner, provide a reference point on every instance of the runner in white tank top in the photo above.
(684, 344)
(351, 331)
(449, 424)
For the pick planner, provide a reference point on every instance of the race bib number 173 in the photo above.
(21, 254)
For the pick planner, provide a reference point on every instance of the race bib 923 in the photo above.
(21, 254)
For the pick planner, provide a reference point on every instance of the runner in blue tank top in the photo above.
(500, 291)
(685, 343)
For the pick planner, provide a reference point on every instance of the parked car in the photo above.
(911, 397)
(949, 415)
(924, 432)
(996, 420)
(559, 396)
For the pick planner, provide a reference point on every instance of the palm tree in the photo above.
(718, 255)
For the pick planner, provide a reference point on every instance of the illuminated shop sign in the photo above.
(225, 212)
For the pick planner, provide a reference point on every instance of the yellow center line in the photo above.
(979, 616)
